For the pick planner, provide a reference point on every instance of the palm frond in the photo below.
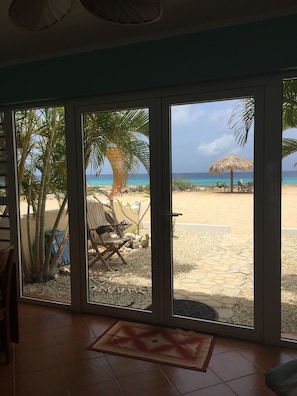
(289, 117)
(289, 146)
(242, 119)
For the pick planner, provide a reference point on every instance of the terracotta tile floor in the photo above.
(52, 360)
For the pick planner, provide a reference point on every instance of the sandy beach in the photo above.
(210, 267)
(219, 207)
(209, 207)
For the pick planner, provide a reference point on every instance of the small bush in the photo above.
(220, 185)
(181, 185)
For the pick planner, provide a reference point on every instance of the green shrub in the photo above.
(181, 185)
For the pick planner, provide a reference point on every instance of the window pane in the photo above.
(118, 208)
(42, 176)
(289, 213)
(212, 187)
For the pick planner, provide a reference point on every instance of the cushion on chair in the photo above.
(283, 379)
(103, 229)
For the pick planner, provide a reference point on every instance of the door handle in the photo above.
(174, 214)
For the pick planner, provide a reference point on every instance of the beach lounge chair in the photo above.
(242, 187)
(250, 187)
(106, 238)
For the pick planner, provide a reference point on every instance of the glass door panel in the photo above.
(289, 212)
(213, 191)
(117, 161)
(42, 178)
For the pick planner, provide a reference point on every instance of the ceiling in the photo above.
(80, 31)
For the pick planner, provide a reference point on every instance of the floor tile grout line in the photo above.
(168, 379)
(232, 390)
(115, 374)
(249, 360)
(239, 351)
(89, 326)
(60, 361)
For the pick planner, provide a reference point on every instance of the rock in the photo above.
(145, 243)
(64, 271)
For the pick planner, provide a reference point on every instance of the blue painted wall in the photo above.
(257, 48)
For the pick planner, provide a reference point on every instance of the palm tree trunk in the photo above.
(40, 214)
(116, 159)
(49, 264)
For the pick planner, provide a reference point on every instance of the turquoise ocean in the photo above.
(199, 179)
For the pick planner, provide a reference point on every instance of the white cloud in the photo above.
(220, 116)
(223, 144)
(186, 114)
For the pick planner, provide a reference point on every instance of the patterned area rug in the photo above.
(175, 347)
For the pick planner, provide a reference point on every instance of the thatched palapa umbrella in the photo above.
(231, 163)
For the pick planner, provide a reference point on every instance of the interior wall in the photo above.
(245, 50)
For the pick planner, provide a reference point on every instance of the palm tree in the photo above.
(41, 151)
(243, 114)
(120, 136)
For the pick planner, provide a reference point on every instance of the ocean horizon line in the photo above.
(196, 178)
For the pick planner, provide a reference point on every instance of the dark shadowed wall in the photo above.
(250, 49)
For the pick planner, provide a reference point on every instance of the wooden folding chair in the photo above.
(105, 239)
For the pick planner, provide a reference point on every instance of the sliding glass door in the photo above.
(213, 190)
(172, 239)
(117, 207)
(214, 144)
(170, 213)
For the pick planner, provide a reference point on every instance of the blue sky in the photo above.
(201, 135)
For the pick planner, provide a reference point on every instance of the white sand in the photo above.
(224, 208)
(210, 207)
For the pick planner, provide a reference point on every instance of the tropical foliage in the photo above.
(243, 114)
(289, 145)
(41, 159)
(121, 137)
(117, 136)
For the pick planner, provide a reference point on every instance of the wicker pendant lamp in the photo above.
(36, 15)
(125, 11)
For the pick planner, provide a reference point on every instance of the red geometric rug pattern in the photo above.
(176, 347)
